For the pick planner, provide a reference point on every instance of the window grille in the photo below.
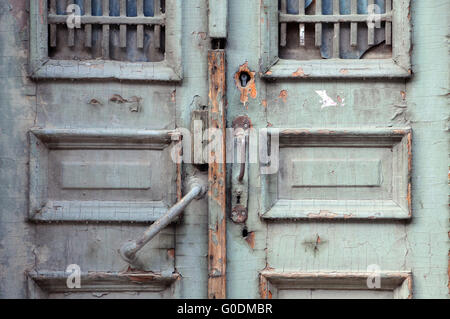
(336, 38)
(122, 39)
(109, 29)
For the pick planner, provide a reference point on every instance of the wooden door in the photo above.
(337, 209)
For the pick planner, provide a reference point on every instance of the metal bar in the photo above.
(123, 27)
(62, 19)
(371, 24)
(388, 26)
(283, 26)
(354, 25)
(325, 18)
(157, 28)
(71, 31)
(337, 30)
(129, 250)
(88, 27)
(318, 26)
(140, 27)
(52, 26)
(105, 31)
(217, 251)
(301, 26)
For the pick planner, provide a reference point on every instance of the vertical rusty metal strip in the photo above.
(217, 177)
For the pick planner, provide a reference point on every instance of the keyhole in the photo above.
(244, 77)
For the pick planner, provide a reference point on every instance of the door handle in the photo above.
(197, 189)
(239, 185)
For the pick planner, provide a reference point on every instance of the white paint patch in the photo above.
(328, 101)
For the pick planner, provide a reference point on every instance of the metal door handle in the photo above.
(243, 152)
(197, 190)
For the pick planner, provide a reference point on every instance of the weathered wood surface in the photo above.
(421, 245)
(217, 252)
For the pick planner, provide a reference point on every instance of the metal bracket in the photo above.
(239, 183)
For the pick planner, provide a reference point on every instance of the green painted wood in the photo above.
(417, 244)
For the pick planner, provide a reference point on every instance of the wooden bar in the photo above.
(328, 18)
(157, 27)
(53, 26)
(62, 19)
(318, 26)
(388, 26)
(371, 24)
(354, 25)
(217, 249)
(283, 26)
(105, 33)
(337, 30)
(71, 31)
(123, 27)
(140, 27)
(217, 18)
(88, 27)
(301, 26)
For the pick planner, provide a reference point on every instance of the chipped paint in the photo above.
(328, 101)
(250, 239)
(250, 88)
(299, 73)
(283, 95)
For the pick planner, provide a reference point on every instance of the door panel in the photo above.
(87, 146)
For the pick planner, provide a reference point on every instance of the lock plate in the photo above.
(239, 185)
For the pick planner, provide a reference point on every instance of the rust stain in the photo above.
(263, 287)
(269, 72)
(343, 71)
(173, 96)
(250, 239)
(171, 253)
(299, 73)
(250, 88)
(264, 103)
(283, 95)
(217, 178)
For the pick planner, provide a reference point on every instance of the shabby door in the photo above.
(115, 80)
(327, 211)
(301, 117)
